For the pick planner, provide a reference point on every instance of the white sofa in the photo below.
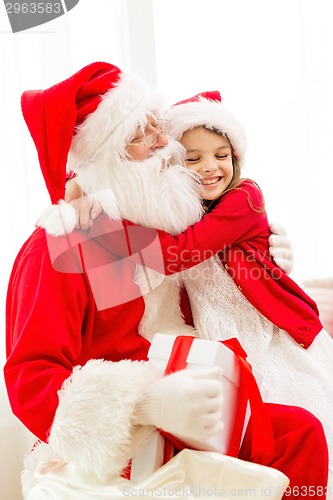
(15, 442)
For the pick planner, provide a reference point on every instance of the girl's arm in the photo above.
(238, 217)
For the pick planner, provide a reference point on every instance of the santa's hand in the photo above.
(280, 248)
(86, 210)
(187, 403)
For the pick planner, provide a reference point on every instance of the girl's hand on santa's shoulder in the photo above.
(86, 210)
(280, 248)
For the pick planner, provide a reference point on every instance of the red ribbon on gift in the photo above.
(262, 432)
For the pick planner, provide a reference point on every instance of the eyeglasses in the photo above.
(149, 140)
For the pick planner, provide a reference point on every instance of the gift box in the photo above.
(206, 353)
(242, 399)
(148, 459)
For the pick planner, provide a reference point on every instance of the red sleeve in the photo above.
(45, 311)
(238, 217)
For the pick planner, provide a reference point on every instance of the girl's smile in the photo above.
(211, 181)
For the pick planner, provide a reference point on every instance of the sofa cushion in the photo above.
(321, 291)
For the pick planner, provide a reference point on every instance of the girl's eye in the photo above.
(192, 160)
(221, 157)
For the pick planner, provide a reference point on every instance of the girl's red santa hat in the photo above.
(206, 110)
(98, 107)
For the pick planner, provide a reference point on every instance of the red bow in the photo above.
(262, 433)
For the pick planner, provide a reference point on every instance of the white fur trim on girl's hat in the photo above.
(206, 109)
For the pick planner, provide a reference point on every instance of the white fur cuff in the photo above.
(92, 426)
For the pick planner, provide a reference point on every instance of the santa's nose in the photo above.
(162, 141)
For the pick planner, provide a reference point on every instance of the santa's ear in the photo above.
(59, 219)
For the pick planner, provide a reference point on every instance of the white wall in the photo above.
(272, 62)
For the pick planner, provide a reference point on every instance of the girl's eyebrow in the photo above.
(192, 150)
(224, 146)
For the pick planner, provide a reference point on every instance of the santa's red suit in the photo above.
(77, 324)
(69, 365)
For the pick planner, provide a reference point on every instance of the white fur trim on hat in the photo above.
(211, 114)
(58, 219)
(115, 120)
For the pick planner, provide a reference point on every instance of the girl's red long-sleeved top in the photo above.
(237, 230)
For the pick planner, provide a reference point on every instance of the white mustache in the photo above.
(171, 154)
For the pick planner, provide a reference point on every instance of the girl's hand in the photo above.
(85, 209)
(280, 248)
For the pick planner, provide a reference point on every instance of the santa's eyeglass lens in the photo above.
(149, 140)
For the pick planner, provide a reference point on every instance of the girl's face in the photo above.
(210, 155)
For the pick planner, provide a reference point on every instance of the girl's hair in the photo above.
(235, 182)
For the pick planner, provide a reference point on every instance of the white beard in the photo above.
(155, 194)
(151, 193)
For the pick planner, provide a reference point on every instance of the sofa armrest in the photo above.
(321, 291)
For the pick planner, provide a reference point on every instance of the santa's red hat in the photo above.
(206, 109)
(97, 107)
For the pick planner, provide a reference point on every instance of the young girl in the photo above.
(239, 292)
(234, 287)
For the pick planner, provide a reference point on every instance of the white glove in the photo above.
(280, 248)
(187, 403)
